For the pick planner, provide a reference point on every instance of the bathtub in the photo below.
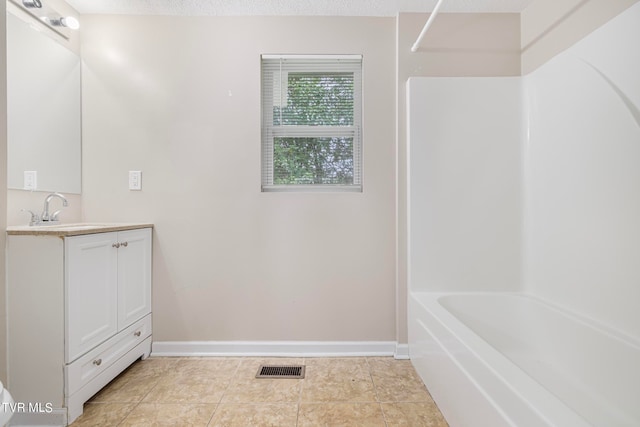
(509, 359)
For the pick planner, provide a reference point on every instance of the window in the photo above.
(311, 119)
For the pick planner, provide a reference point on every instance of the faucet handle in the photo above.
(35, 218)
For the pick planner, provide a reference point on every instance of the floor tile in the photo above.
(263, 415)
(162, 414)
(123, 390)
(397, 381)
(103, 414)
(413, 414)
(134, 383)
(151, 368)
(187, 388)
(338, 380)
(340, 414)
(195, 380)
(219, 367)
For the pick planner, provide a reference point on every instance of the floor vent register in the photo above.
(280, 371)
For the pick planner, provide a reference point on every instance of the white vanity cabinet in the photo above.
(79, 313)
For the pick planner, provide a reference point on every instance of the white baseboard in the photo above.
(402, 351)
(275, 348)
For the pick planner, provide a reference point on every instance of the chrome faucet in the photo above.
(45, 213)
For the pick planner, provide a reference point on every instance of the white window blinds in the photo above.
(311, 120)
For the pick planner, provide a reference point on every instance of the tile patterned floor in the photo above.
(356, 391)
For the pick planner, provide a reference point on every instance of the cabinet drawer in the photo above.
(97, 360)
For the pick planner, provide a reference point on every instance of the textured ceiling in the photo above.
(290, 7)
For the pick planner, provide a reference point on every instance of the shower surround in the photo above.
(529, 185)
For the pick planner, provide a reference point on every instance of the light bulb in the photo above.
(70, 22)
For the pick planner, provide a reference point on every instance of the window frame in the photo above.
(269, 132)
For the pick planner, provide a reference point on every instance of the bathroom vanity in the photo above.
(79, 312)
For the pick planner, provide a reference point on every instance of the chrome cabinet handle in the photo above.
(115, 245)
(137, 333)
(97, 362)
(125, 244)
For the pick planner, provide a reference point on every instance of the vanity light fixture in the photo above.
(49, 16)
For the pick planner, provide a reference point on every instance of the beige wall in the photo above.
(456, 45)
(3, 191)
(551, 26)
(179, 99)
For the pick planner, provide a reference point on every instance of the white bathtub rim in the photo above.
(588, 321)
(527, 389)
(559, 308)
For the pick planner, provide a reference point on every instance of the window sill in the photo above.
(301, 188)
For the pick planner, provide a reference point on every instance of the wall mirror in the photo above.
(43, 111)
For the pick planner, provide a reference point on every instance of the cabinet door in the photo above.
(91, 291)
(134, 276)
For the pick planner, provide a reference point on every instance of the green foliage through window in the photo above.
(317, 100)
(313, 161)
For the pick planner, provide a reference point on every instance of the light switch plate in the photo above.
(30, 180)
(135, 180)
